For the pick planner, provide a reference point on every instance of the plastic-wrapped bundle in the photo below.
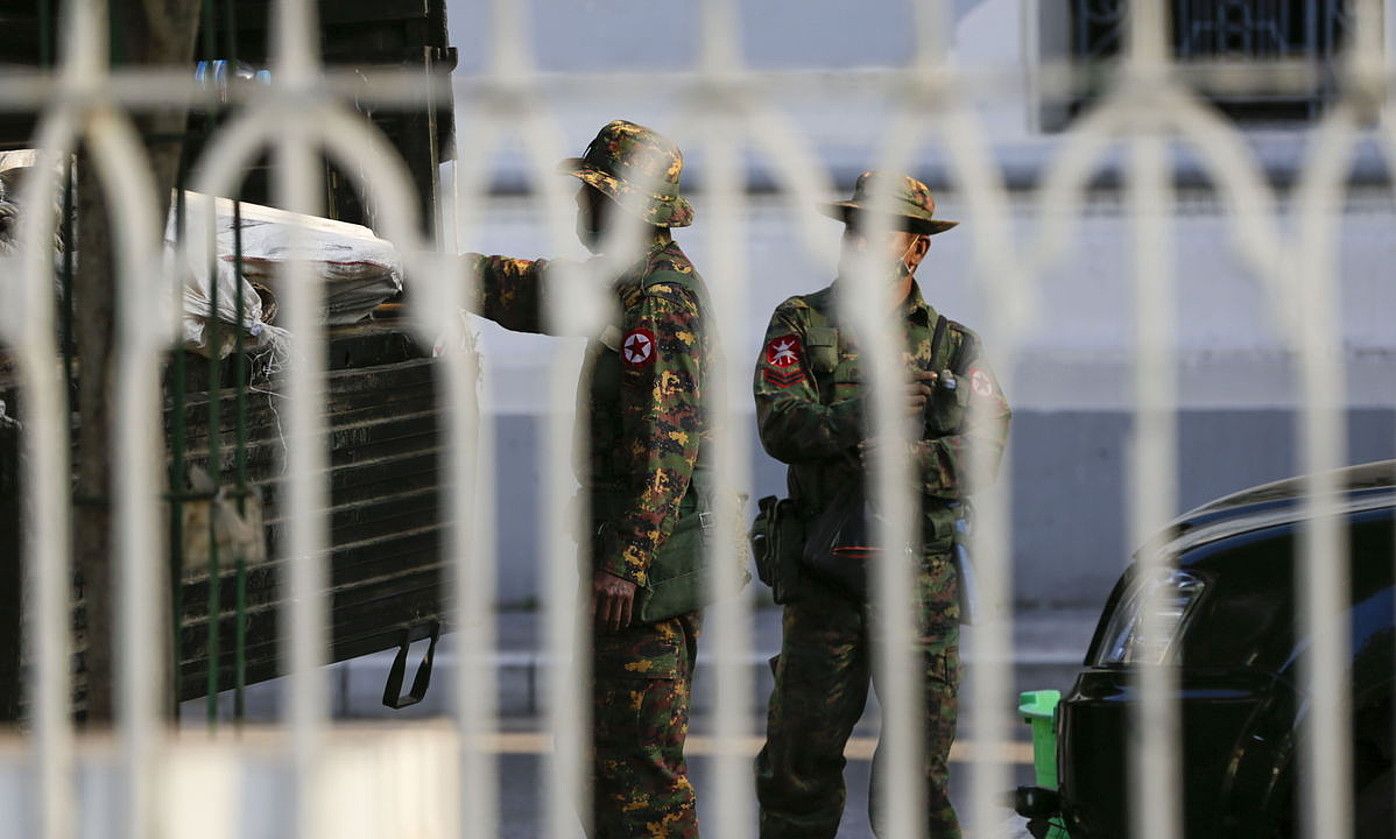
(210, 285)
(358, 269)
(14, 167)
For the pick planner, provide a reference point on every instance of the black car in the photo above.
(1234, 607)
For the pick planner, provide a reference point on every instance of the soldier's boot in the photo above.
(821, 685)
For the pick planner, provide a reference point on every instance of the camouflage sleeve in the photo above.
(795, 424)
(511, 290)
(661, 392)
(946, 467)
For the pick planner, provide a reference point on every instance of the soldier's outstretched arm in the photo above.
(948, 470)
(795, 426)
(661, 392)
(511, 290)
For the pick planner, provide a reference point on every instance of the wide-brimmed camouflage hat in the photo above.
(912, 203)
(625, 156)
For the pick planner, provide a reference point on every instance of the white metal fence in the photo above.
(1150, 105)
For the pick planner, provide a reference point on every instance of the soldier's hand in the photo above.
(612, 600)
(919, 390)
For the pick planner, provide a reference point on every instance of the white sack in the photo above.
(359, 269)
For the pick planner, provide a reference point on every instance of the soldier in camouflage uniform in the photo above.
(810, 408)
(641, 388)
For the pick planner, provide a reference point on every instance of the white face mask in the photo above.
(897, 271)
(904, 268)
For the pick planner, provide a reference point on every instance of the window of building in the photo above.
(1223, 30)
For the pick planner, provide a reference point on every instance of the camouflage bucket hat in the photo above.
(912, 202)
(625, 154)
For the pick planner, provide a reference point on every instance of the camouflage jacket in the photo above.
(809, 405)
(640, 390)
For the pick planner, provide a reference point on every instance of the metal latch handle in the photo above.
(392, 691)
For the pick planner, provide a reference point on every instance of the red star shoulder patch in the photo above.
(638, 348)
(980, 383)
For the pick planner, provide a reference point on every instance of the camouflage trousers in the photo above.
(821, 686)
(642, 681)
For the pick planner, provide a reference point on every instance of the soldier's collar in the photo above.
(641, 267)
(660, 240)
(915, 307)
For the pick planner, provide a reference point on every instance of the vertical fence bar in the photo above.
(215, 474)
(934, 25)
(870, 307)
(240, 406)
(69, 247)
(47, 510)
(475, 550)
(568, 630)
(1009, 297)
(240, 467)
(240, 402)
(297, 186)
(304, 611)
(1321, 569)
(49, 593)
(510, 57)
(729, 617)
(1366, 59)
(1155, 765)
(470, 505)
(474, 576)
(568, 633)
(569, 299)
(1154, 748)
(176, 379)
(48, 542)
(214, 342)
(897, 658)
(124, 170)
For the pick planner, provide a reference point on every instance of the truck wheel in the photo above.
(1374, 807)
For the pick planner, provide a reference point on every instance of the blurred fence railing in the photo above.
(303, 111)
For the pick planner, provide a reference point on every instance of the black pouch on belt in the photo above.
(840, 544)
(777, 540)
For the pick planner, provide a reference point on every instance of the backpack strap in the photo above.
(938, 339)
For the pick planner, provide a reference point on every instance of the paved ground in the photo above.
(522, 816)
(1048, 647)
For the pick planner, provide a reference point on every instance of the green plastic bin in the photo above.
(1039, 710)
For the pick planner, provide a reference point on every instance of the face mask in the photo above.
(897, 271)
(903, 269)
(591, 224)
(589, 236)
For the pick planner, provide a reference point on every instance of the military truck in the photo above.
(222, 429)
